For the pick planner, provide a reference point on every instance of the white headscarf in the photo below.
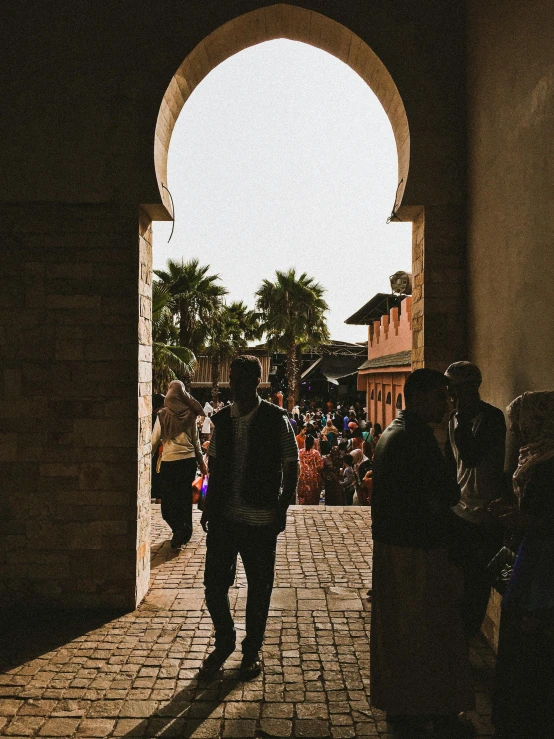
(358, 457)
(533, 415)
(179, 412)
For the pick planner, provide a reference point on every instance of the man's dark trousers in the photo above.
(256, 546)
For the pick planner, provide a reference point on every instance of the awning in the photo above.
(333, 367)
(399, 359)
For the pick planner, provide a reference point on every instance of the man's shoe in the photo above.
(215, 661)
(179, 539)
(250, 667)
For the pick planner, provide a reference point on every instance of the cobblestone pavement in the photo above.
(136, 675)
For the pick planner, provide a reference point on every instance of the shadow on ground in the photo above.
(26, 634)
(196, 711)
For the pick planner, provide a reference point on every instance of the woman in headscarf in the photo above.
(523, 703)
(361, 467)
(334, 494)
(176, 428)
(310, 482)
(330, 433)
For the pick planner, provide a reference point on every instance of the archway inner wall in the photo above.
(75, 302)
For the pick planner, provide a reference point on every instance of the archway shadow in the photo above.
(26, 634)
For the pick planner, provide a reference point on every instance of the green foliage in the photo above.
(293, 315)
(228, 332)
(194, 296)
(168, 360)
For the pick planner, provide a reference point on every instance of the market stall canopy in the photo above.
(333, 367)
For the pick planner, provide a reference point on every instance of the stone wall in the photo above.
(439, 287)
(69, 371)
(511, 158)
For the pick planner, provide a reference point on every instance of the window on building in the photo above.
(379, 396)
(372, 394)
(388, 401)
(399, 401)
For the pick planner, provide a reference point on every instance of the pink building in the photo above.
(383, 374)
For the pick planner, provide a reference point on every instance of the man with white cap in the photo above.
(476, 448)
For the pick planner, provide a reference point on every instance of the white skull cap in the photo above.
(463, 373)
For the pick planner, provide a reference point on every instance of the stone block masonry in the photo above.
(136, 676)
(74, 516)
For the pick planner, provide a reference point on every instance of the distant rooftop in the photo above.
(399, 359)
(379, 305)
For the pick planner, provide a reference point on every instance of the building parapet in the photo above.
(392, 333)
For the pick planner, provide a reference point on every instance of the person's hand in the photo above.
(204, 521)
(514, 519)
(203, 469)
(499, 507)
(281, 523)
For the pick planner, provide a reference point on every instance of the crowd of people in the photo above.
(441, 518)
(336, 448)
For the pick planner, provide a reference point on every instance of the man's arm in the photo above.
(489, 436)
(451, 466)
(291, 471)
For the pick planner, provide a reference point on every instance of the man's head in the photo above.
(464, 379)
(426, 393)
(244, 377)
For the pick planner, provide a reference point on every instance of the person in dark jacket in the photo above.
(419, 660)
(475, 451)
(253, 465)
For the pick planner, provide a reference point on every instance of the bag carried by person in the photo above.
(203, 489)
(500, 568)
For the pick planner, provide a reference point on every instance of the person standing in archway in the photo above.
(418, 650)
(253, 461)
(176, 428)
(475, 451)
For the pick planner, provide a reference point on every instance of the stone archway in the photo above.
(265, 24)
(77, 280)
(273, 22)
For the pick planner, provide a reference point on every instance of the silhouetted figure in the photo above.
(419, 663)
(475, 452)
(252, 455)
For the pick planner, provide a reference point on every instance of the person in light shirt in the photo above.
(176, 428)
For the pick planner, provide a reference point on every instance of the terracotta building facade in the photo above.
(383, 374)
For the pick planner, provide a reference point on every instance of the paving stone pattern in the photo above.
(136, 675)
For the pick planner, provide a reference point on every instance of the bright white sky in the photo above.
(283, 157)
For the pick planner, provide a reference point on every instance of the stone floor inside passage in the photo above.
(135, 675)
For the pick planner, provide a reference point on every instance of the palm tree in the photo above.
(168, 360)
(228, 332)
(293, 314)
(195, 294)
